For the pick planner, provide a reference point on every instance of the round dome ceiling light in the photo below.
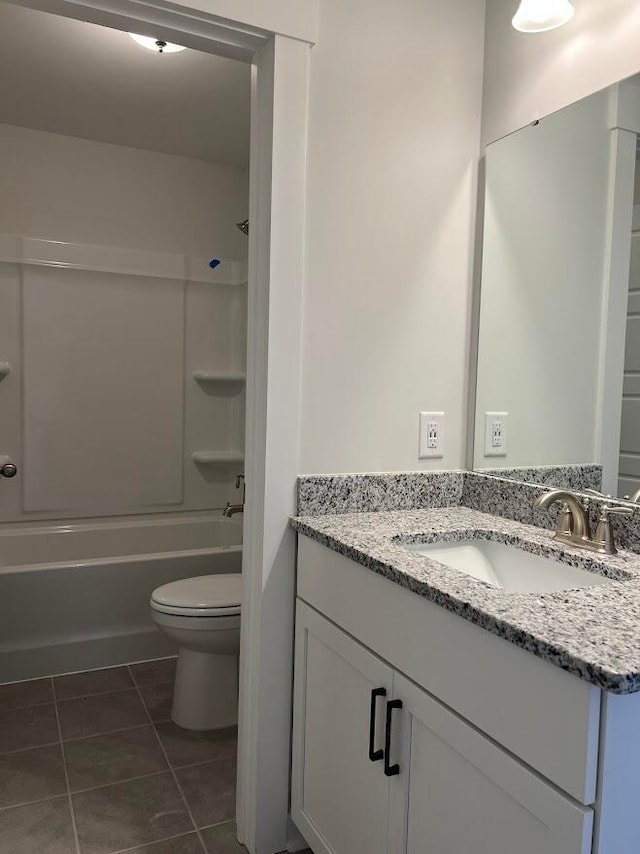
(157, 45)
(538, 16)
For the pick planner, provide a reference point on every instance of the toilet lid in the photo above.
(206, 595)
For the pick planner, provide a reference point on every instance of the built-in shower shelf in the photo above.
(5, 370)
(217, 458)
(228, 377)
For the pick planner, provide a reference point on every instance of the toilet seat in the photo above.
(203, 596)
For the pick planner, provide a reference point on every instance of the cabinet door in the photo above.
(462, 794)
(340, 796)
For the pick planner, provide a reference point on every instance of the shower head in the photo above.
(243, 227)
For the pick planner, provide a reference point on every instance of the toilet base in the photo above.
(206, 690)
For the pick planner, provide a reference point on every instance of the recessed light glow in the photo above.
(538, 16)
(157, 45)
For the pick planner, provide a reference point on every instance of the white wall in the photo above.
(545, 229)
(54, 186)
(394, 131)
(530, 76)
(294, 18)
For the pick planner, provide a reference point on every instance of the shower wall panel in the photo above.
(103, 391)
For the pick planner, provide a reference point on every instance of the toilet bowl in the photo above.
(202, 616)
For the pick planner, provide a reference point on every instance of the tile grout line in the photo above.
(156, 842)
(92, 695)
(83, 791)
(21, 708)
(99, 734)
(102, 733)
(125, 780)
(33, 746)
(32, 803)
(66, 772)
(118, 782)
(173, 773)
(197, 764)
(218, 824)
(50, 701)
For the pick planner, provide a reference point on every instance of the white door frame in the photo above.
(277, 207)
(280, 70)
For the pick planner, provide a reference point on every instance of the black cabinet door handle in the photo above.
(390, 770)
(375, 755)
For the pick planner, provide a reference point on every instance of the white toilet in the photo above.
(202, 615)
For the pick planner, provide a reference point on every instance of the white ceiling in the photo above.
(88, 81)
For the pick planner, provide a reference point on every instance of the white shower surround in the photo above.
(105, 410)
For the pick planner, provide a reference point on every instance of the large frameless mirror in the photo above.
(558, 373)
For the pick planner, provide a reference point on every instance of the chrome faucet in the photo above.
(574, 527)
(231, 509)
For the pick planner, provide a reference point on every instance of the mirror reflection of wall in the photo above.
(629, 472)
(559, 213)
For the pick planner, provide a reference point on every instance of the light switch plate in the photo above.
(496, 434)
(431, 442)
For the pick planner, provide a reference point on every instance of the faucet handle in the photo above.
(239, 480)
(604, 535)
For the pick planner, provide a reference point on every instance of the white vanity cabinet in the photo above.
(381, 766)
(416, 732)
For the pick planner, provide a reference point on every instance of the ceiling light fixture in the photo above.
(158, 45)
(538, 16)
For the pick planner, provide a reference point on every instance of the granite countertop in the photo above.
(593, 632)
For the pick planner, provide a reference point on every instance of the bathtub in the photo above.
(76, 596)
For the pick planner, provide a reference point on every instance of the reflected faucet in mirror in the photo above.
(635, 498)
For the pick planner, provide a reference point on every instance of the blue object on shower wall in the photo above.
(214, 263)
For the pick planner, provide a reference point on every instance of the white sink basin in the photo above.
(507, 567)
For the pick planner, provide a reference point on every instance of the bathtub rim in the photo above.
(110, 523)
(147, 557)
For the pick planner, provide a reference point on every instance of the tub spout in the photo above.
(231, 509)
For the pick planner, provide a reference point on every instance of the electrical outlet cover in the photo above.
(496, 434)
(431, 442)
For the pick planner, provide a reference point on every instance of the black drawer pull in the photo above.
(390, 770)
(375, 755)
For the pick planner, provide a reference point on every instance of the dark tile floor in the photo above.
(91, 764)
